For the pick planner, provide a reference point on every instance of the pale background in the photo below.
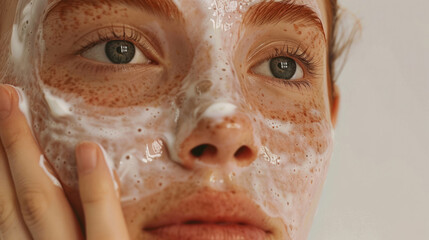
(378, 182)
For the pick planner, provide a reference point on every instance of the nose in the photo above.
(220, 140)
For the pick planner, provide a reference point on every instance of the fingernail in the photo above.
(86, 158)
(5, 102)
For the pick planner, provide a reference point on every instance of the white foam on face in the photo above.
(143, 146)
(283, 127)
(219, 110)
(24, 33)
(57, 106)
(42, 164)
(17, 47)
(23, 105)
(221, 18)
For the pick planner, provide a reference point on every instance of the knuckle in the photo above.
(96, 195)
(93, 200)
(34, 205)
(6, 213)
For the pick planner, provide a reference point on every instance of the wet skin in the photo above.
(270, 155)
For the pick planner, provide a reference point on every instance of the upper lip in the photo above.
(215, 208)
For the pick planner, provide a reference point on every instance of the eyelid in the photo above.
(146, 44)
(301, 54)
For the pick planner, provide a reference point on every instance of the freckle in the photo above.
(89, 13)
(296, 27)
(299, 32)
(223, 69)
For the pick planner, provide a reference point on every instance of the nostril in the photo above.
(204, 150)
(243, 153)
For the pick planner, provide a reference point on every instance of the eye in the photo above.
(280, 67)
(116, 52)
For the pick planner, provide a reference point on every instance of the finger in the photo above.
(12, 225)
(43, 205)
(103, 213)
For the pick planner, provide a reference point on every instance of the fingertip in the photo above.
(14, 92)
(12, 98)
(81, 146)
(87, 157)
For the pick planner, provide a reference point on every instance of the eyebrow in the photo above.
(164, 8)
(275, 12)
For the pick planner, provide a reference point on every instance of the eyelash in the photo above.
(110, 34)
(135, 37)
(304, 57)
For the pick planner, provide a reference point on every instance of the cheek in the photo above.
(299, 154)
(302, 143)
(295, 134)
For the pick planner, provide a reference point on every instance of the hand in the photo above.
(32, 206)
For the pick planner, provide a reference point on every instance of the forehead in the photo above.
(212, 10)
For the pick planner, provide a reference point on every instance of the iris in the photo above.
(120, 51)
(283, 67)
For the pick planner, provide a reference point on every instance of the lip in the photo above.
(211, 215)
(209, 231)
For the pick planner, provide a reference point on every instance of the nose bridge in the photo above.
(212, 125)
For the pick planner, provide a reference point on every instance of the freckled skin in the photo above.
(194, 65)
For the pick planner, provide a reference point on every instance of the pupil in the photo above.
(120, 51)
(283, 67)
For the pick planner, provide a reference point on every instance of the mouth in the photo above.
(206, 230)
(211, 215)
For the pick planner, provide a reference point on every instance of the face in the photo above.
(209, 112)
